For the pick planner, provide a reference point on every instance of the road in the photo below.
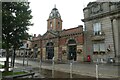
(89, 69)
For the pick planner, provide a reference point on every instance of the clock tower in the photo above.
(54, 22)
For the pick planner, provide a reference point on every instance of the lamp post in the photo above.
(40, 58)
(71, 66)
(97, 72)
(24, 53)
(23, 56)
(53, 66)
(28, 50)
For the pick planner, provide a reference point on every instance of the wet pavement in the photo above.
(45, 73)
(80, 70)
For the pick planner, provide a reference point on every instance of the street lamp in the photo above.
(28, 50)
(40, 60)
(53, 66)
(97, 72)
(71, 64)
(24, 49)
(24, 56)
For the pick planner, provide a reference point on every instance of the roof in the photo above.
(54, 13)
(72, 31)
(65, 32)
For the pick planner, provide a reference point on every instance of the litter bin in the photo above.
(88, 58)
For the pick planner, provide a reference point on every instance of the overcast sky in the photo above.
(71, 12)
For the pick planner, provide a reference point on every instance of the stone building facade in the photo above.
(36, 46)
(62, 44)
(24, 50)
(101, 39)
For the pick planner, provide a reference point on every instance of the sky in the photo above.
(71, 12)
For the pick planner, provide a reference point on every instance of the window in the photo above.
(58, 24)
(35, 45)
(50, 25)
(95, 47)
(97, 28)
(99, 48)
(102, 47)
(27, 45)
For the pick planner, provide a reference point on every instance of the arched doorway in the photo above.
(72, 49)
(49, 50)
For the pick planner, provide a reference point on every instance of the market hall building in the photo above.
(62, 44)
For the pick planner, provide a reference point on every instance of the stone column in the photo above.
(56, 53)
(60, 53)
(119, 42)
(44, 53)
(115, 36)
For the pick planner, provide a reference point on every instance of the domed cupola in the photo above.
(54, 13)
(54, 21)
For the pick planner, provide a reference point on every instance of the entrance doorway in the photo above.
(49, 50)
(72, 50)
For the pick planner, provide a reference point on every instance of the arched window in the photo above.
(72, 47)
(50, 24)
(49, 50)
(71, 41)
(58, 24)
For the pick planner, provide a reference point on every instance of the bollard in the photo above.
(71, 69)
(40, 65)
(12, 71)
(24, 57)
(27, 60)
(97, 73)
(53, 64)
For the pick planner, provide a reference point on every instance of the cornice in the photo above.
(101, 15)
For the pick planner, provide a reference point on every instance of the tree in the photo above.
(15, 19)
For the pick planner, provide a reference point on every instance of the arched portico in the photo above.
(49, 50)
(72, 47)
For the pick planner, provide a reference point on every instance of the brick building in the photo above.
(101, 39)
(63, 44)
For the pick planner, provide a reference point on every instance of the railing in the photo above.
(98, 33)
